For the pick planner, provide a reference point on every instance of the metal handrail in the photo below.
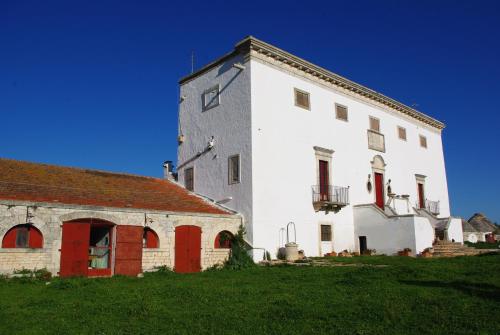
(330, 193)
(432, 206)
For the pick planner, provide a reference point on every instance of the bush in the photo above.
(40, 274)
(238, 256)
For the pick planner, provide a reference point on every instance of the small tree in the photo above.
(238, 256)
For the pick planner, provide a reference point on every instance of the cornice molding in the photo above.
(251, 47)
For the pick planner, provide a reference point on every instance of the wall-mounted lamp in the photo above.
(183, 97)
(369, 183)
(147, 220)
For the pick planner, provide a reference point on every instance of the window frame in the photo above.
(399, 134)
(423, 144)
(295, 91)
(337, 105)
(327, 233)
(370, 118)
(209, 90)
(192, 178)
(230, 172)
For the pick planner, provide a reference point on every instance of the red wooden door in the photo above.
(75, 249)
(187, 249)
(379, 190)
(421, 198)
(128, 254)
(323, 180)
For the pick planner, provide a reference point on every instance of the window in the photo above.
(234, 169)
(150, 239)
(402, 133)
(423, 141)
(211, 98)
(23, 236)
(374, 124)
(341, 112)
(223, 240)
(189, 179)
(302, 99)
(326, 233)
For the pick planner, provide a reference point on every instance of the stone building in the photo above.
(78, 222)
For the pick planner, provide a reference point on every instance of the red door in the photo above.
(74, 249)
(323, 180)
(421, 198)
(187, 249)
(128, 254)
(379, 190)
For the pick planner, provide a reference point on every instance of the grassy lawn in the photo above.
(408, 296)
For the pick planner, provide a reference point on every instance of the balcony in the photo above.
(329, 198)
(376, 140)
(432, 206)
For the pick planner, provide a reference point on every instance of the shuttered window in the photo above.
(423, 141)
(341, 112)
(326, 233)
(374, 124)
(302, 99)
(234, 169)
(211, 97)
(189, 179)
(402, 133)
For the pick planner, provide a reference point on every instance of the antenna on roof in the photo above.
(192, 61)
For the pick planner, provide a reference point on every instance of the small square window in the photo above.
(423, 141)
(341, 112)
(402, 133)
(326, 233)
(374, 124)
(189, 179)
(302, 99)
(234, 169)
(211, 98)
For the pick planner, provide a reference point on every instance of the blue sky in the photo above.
(94, 83)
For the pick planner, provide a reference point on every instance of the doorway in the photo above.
(326, 239)
(379, 190)
(363, 246)
(187, 249)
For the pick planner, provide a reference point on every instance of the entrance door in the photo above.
(74, 249)
(323, 180)
(187, 249)
(362, 244)
(379, 190)
(421, 197)
(326, 239)
(128, 257)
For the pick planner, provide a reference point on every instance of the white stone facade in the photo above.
(276, 140)
(48, 218)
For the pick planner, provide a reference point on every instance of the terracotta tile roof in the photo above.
(21, 180)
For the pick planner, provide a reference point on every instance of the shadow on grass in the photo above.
(485, 291)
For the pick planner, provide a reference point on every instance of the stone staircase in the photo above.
(452, 249)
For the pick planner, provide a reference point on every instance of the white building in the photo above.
(282, 140)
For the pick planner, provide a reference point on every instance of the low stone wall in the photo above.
(18, 259)
(215, 256)
(153, 258)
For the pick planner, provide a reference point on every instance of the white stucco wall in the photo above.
(49, 219)
(454, 230)
(229, 123)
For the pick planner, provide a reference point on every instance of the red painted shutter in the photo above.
(128, 256)
(421, 199)
(9, 240)
(35, 238)
(75, 249)
(194, 249)
(187, 249)
(323, 180)
(379, 190)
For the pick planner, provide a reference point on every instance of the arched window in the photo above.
(223, 240)
(150, 239)
(23, 236)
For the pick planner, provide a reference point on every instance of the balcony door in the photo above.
(421, 196)
(324, 181)
(379, 190)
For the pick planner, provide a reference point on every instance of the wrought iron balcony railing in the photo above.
(432, 206)
(330, 197)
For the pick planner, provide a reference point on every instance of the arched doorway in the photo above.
(187, 249)
(86, 248)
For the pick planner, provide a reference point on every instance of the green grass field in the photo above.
(408, 296)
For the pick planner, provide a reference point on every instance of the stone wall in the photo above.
(48, 218)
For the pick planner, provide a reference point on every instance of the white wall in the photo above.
(284, 169)
(455, 230)
(229, 123)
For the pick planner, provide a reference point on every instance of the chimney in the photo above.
(167, 170)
